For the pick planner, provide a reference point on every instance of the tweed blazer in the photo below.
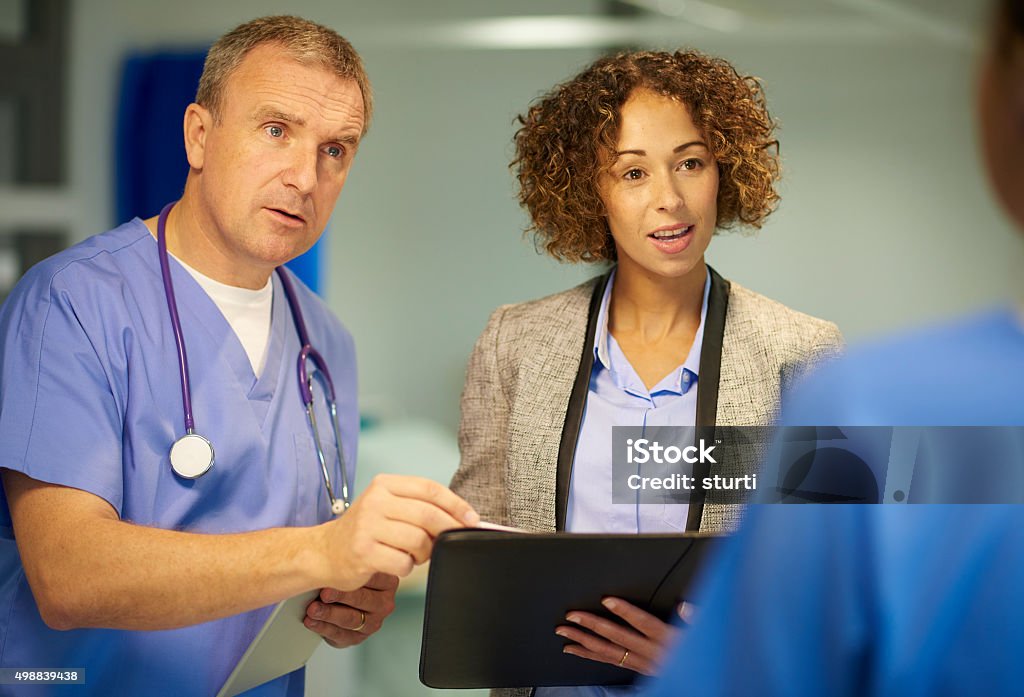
(527, 381)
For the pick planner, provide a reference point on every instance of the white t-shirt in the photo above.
(247, 312)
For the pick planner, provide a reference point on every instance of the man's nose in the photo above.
(300, 171)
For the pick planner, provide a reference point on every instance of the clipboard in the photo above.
(494, 599)
(282, 645)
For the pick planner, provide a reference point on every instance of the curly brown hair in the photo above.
(566, 139)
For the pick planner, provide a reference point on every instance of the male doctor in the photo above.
(110, 560)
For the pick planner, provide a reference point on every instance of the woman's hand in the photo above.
(638, 647)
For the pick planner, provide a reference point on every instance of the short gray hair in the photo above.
(306, 41)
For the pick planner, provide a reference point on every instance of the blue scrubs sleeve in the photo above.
(60, 418)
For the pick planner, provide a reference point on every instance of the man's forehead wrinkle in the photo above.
(340, 114)
(269, 112)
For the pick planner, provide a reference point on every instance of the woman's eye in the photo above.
(692, 164)
(633, 174)
(275, 131)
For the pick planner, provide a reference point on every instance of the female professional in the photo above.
(637, 161)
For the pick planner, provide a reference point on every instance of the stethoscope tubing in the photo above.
(172, 307)
(307, 353)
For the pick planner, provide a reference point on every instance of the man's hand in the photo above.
(389, 529)
(346, 618)
(88, 568)
(638, 647)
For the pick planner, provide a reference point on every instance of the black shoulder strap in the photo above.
(577, 403)
(707, 384)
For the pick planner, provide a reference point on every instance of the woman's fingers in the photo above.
(637, 645)
(641, 620)
(595, 648)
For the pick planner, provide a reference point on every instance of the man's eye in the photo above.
(333, 151)
(275, 131)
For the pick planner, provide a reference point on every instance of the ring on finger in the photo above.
(362, 623)
(622, 661)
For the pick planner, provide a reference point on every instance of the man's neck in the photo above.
(188, 240)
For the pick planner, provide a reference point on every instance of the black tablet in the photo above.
(494, 600)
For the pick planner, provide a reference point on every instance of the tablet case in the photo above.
(283, 644)
(494, 600)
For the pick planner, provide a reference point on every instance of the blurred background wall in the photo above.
(885, 219)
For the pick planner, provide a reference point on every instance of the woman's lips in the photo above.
(672, 241)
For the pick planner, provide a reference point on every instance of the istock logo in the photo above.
(641, 451)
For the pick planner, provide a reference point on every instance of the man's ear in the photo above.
(197, 124)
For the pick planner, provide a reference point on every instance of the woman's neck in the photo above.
(650, 308)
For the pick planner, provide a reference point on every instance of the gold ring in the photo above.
(362, 623)
(622, 660)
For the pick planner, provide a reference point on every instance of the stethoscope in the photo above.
(192, 455)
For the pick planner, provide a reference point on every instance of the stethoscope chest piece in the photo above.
(191, 456)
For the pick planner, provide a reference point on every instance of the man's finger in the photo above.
(364, 598)
(393, 561)
(382, 582)
(431, 519)
(430, 491)
(408, 537)
(346, 617)
(335, 636)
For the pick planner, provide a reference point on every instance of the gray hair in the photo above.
(308, 42)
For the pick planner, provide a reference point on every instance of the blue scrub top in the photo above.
(919, 599)
(850, 600)
(90, 398)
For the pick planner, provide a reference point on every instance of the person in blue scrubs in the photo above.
(111, 562)
(894, 600)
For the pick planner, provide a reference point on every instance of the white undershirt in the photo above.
(247, 312)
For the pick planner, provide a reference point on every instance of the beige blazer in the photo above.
(527, 380)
